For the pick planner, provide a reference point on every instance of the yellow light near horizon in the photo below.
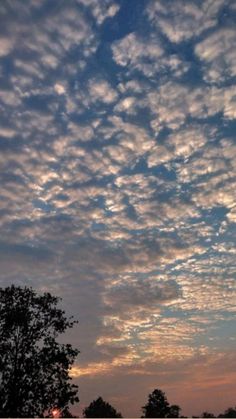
(56, 413)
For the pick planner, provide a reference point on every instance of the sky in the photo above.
(117, 188)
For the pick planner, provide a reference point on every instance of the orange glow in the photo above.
(56, 413)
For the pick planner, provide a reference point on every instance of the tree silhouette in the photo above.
(159, 407)
(174, 411)
(34, 377)
(100, 409)
(207, 415)
(229, 413)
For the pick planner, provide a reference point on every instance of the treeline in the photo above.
(157, 406)
(34, 366)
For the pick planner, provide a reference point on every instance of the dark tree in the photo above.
(229, 413)
(174, 411)
(100, 409)
(34, 367)
(159, 407)
(207, 415)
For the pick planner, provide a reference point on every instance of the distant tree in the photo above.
(100, 409)
(34, 367)
(159, 407)
(174, 411)
(229, 413)
(207, 415)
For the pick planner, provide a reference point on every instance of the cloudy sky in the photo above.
(117, 188)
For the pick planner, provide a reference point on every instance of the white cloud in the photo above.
(187, 141)
(6, 45)
(79, 132)
(169, 104)
(126, 105)
(59, 88)
(112, 10)
(102, 91)
(131, 49)
(182, 20)
(217, 51)
(7, 132)
(232, 215)
(172, 103)
(10, 98)
(101, 10)
(182, 143)
(102, 14)
(146, 55)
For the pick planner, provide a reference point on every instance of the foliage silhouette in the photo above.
(100, 409)
(174, 411)
(34, 376)
(159, 407)
(207, 415)
(229, 413)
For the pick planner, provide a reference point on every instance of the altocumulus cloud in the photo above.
(117, 182)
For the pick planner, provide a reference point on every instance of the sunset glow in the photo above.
(117, 189)
(56, 413)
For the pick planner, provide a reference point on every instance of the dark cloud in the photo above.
(24, 260)
(143, 294)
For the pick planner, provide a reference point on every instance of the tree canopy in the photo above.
(34, 367)
(229, 413)
(100, 409)
(207, 415)
(159, 407)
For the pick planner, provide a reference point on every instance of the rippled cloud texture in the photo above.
(117, 187)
